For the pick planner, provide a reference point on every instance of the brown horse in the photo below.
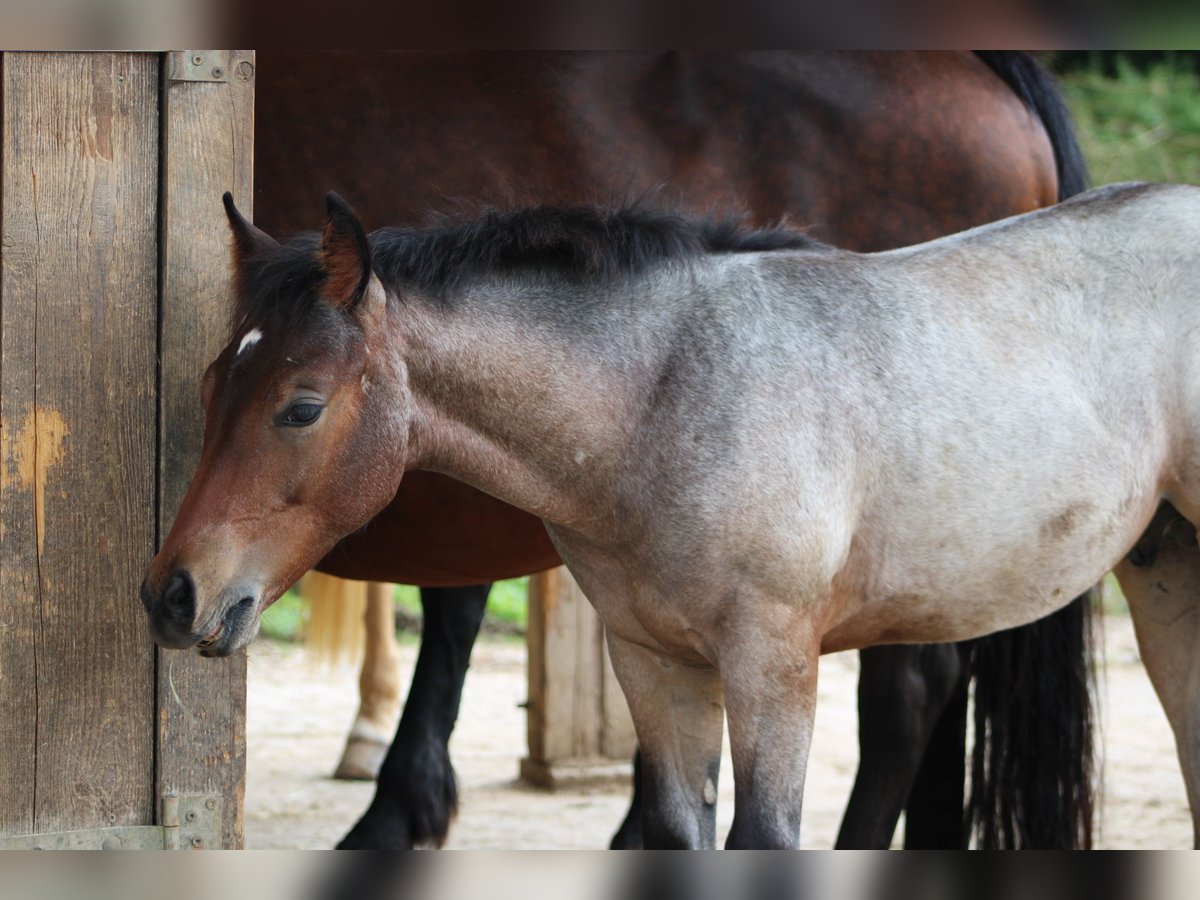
(925, 143)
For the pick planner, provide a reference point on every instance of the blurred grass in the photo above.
(506, 606)
(506, 611)
(1138, 125)
(284, 619)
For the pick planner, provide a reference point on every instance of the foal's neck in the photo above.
(533, 398)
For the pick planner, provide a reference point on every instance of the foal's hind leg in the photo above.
(416, 796)
(1161, 581)
(677, 712)
(902, 692)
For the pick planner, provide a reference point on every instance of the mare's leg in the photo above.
(902, 692)
(770, 680)
(378, 690)
(629, 835)
(416, 797)
(933, 816)
(1161, 581)
(677, 712)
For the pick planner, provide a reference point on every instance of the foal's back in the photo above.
(993, 415)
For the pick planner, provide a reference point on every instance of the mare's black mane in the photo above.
(578, 243)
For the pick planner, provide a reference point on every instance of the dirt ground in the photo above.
(298, 716)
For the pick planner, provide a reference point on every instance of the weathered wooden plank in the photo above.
(208, 149)
(19, 611)
(79, 294)
(577, 719)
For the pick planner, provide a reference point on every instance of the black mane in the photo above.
(578, 243)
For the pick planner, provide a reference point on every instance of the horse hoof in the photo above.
(361, 760)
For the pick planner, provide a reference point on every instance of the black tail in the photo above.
(1032, 769)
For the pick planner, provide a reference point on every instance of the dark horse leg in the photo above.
(933, 816)
(416, 796)
(629, 835)
(903, 692)
(1032, 761)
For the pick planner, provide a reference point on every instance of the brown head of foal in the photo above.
(297, 407)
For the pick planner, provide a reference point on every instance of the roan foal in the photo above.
(749, 449)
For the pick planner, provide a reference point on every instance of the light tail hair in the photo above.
(336, 631)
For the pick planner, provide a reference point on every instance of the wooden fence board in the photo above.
(77, 424)
(208, 149)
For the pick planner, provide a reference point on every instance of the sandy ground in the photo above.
(298, 716)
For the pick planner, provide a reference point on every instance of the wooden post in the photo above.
(579, 729)
(78, 313)
(208, 140)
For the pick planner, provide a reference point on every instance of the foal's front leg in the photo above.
(769, 673)
(677, 713)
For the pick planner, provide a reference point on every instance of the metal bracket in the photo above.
(191, 822)
(198, 65)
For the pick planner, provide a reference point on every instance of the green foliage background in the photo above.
(1142, 124)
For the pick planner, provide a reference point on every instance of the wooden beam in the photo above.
(208, 144)
(579, 729)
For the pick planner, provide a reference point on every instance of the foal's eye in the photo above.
(302, 414)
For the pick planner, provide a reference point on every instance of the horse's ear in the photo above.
(345, 255)
(247, 240)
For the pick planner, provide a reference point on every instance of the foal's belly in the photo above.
(959, 582)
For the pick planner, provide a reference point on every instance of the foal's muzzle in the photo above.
(230, 625)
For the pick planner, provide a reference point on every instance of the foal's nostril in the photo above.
(179, 598)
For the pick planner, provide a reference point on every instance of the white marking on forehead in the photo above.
(252, 337)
